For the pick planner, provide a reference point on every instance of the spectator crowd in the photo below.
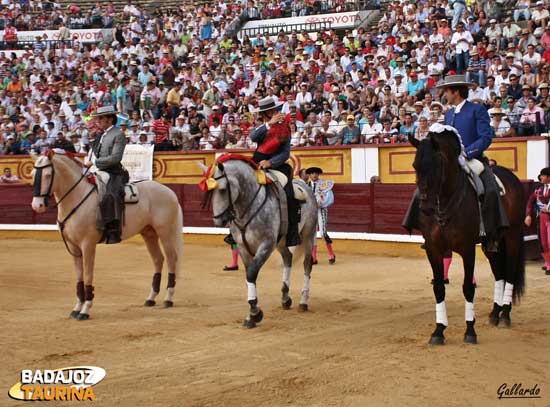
(182, 79)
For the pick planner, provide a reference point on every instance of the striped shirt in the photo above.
(161, 130)
(477, 65)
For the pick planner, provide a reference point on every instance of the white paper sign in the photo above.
(138, 161)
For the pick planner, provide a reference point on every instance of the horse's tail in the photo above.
(519, 275)
(515, 202)
(179, 243)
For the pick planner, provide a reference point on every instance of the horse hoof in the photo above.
(437, 340)
(149, 303)
(494, 320)
(505, 322)
(82, 317)
(74, 314)
(303, 308)
(287, 304)
(471, 339)
(168, 304)
(257, 317)
(249, 323)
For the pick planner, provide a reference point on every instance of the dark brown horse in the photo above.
(449, 220)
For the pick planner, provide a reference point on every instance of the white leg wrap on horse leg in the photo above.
(441, 313)
(292, 249)
(170, 293)
(78, 306)
(152, 295)
(469, 314)
(252, 295)
(307, 279)
(286, 275)
(86, 307)
(499, 292)
(305, 290)
(508, 291)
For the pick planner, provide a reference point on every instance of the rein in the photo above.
(233, 213)
(38, 187)
(442, 216)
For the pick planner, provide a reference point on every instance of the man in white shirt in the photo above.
(539, 16)
(371, 129)
(435, 64)
(532, 58)
(510, 31)
(490, 88)
(493, 32)
(397, 85)
(303, 96)
(475, 92)
(461, 41)
(503, 78)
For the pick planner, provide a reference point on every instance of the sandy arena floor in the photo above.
(364, 342)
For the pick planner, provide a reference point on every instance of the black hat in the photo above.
(314, 170)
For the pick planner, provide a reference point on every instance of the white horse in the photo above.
(157, 215)
(253, 212)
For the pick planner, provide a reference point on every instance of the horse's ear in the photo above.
(203, 167)
(433, 141)
(220, 166)
(413, 141)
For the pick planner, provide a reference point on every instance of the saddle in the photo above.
(473, 169)
(131, 191)
(299, 192)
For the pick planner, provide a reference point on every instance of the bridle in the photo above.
(38, 183)
(443, 215)
(37, 194)
(231, 213)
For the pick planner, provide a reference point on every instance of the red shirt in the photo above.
(10, 34)
(161, 130)
(276, 136)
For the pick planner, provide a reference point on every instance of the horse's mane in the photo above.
(447, 135)
(66, 154)
(425, 156)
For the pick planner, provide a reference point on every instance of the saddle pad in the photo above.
(131, 192)
(277, 176)
(477, 168)
(299, 192)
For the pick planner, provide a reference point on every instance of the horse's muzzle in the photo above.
(224, 219)
(39, 204)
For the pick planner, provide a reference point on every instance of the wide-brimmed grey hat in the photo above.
(453, 80)
(266, 104)
(105, 111)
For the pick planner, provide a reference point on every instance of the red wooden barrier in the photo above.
(366, 208)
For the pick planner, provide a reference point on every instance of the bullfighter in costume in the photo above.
(322, 189)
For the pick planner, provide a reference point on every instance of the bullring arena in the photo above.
(364, 341)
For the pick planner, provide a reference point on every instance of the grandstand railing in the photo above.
(287, 28)
(322, 7)
(20, 45)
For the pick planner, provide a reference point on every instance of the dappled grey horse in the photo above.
(253, 212)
